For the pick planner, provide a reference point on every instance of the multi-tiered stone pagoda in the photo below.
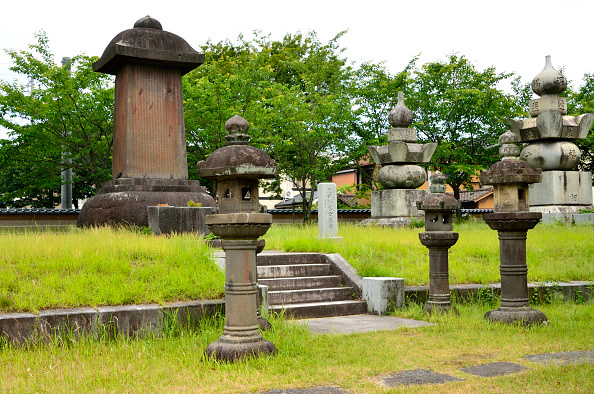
(400, 174)
(549, 135)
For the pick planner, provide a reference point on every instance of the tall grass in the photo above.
(554, 252)
(102, 266)
(356, 362)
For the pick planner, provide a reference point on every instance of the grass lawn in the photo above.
(42, 270)
(175, 361)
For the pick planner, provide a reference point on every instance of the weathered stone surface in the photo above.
(562, 188)
(525, 316)
(402, 134)
(309, 390)
(494, 369)
(130, 319)
(327, 211)
(382, 293)
(167, 220)
(558, 155)
(548, 103)
(563, 358)
(18, 328)
(404, 176)
(417, 376)
(76, 322)
(392, 203)
(130, 208)
(510, 171)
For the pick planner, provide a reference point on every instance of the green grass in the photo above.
(175, 361)
(101, 266)
(554, 252)
(43, 269)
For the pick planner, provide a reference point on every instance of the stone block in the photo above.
(18, 328)
(76, 322)
(130, 319)
(327, 211)
(381, 293)
(396, 203)
(562, 188)
(584, 218)
(167, 220)
(548, 103)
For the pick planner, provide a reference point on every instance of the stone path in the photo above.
(426, 377)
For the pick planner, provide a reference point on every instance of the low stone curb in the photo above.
(538, 291)
(133, 320)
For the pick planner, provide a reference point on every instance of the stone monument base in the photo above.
(124, 201)
(232, 350)
(563, 188)
(395, 207)
(526, 315)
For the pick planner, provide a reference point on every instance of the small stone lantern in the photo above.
(510, 178)
(236, 168)
(438, 238)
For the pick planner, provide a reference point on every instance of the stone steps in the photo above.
(305, 285)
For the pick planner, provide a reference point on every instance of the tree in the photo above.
(581, 101)
(67, 113)
(295, 93)
(462, 110)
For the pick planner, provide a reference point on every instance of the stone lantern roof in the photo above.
(510, 169)
(438, 200)
(148, 43)
(237, 158)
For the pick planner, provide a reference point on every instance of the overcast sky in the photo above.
(511, 35)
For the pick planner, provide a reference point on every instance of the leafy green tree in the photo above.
(68, 113)
(581, 101)
(461, 109)
(296, 95)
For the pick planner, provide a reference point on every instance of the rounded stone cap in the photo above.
(438, 202)
(148, 43)
(549, 81)
(237, 159)
(400, 115)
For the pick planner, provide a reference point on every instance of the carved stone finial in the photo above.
(148, 23)
(237, 128)
(438, 181)
(400, 115)
(508, 150)
(549, 81)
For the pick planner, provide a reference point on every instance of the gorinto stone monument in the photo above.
(549, 135)
(237, 167)
(400, 175)
(149, 152)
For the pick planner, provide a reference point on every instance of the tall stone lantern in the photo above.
(236, 168)
(511, 178)
(149, 141)
(438, 238)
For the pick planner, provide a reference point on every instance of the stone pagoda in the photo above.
(400, 174)
(549, 135)
(236, 168)
(149, 144)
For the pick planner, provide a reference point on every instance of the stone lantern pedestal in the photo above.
(510, 178)
(236, 168)
(438, 238)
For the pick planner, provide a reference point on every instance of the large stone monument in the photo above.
(549, 135)
(438, 238)
(149, 146)
(327, 211)
(237, 167)
(510, 178)
(400, 174)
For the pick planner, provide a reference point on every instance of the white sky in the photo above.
(511, 35)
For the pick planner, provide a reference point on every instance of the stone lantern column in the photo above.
(510, 178)
(438, 238)
(236, 168)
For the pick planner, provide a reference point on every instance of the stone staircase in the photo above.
(307, 285)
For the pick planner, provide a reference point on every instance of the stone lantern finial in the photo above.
(400, 115)
(549, 81)
(237, 128)
(148, 23)
(438, 180)
(508, 150)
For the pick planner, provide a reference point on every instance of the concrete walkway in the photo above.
(357, 323)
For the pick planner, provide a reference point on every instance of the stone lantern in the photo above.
(236, 168)
(438, 238)
(149, 140)
(511, 178)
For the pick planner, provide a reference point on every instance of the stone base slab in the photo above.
(525, 316)
(562, 188)
(382, 293)
(391, 203)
